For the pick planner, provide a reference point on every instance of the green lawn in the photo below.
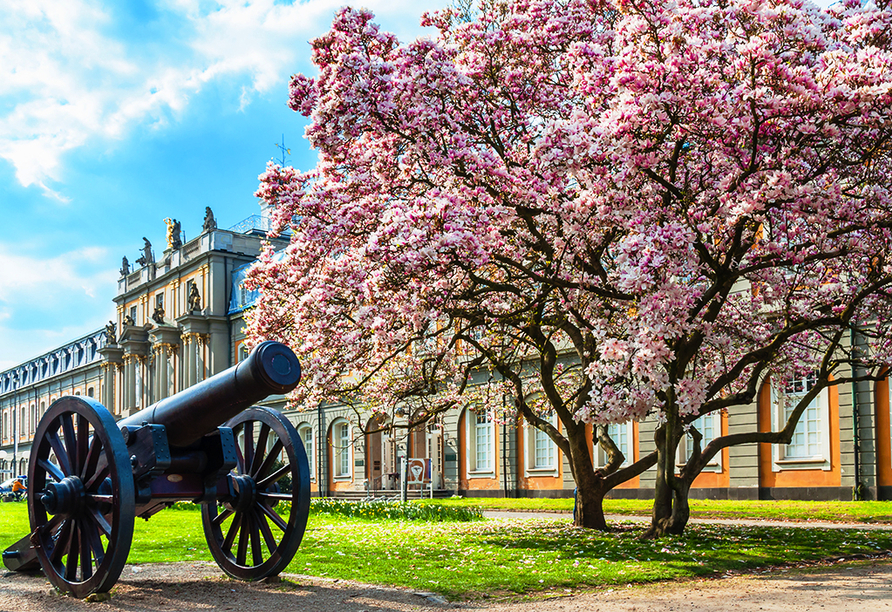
(466, 559)
(836, 511)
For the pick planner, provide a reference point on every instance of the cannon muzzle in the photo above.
(271, 368)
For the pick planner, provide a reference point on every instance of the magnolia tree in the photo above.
(602, 211)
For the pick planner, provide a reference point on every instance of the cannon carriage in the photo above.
(90, 477)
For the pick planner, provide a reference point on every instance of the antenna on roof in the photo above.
(283, 150)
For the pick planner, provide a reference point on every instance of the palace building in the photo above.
(180, 319)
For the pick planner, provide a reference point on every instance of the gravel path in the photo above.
(201, 586)
(863, 587)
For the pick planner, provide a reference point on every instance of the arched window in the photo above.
(710, 427)
(342, 449)
(541, 449)
(481, 436)
(810, 446)
(305, 431)
(621, 434)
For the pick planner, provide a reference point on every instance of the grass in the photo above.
(482, 558)
(394, 510)
(831, 511)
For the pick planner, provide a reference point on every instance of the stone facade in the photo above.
(180, 319)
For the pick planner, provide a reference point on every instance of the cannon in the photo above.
(90, 477)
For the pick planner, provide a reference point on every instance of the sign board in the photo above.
(419, 471)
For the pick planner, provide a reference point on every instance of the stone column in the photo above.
(194, 339)
(188, 361)
(165, 344)
(112, 360)
(133, 343)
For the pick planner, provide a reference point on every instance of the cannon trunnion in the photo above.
(89, 477)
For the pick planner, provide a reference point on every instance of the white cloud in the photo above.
(39, 295)
(70, 75)
(22, 276)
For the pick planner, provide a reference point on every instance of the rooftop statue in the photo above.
(173, 233)
(110, 330)
(146, 258)
(194, 299)
(210, 223)
(158, 315)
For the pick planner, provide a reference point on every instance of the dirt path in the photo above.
(200, 586)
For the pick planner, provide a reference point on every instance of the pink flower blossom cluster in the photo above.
(672, 199)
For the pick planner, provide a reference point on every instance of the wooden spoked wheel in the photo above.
(251, 534)
(81, 502)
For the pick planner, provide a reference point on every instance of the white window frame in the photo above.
(339, 451)
(781, 459)
(628, 428)
(472, 425)
(532, 434)
(309, 443)
(686, 444)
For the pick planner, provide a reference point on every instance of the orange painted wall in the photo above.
(479, 484)
(799, 478)
(717, 479)
(884, 444)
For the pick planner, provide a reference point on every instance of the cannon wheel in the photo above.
(245, 520)
(81, 502)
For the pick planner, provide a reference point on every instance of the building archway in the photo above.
(340, 444)
(380, 453)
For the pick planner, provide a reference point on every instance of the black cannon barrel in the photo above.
(271, 368)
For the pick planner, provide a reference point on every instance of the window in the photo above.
(810, 446)
(621, 434)
(541, 449)
(133, 313)
(306, 436)
(342, 447)
(481, 441)
(710, 427)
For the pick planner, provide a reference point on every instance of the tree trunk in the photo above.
(671, 510)
(681, 509)
(589, 508)
(662, 510)
(590, 488)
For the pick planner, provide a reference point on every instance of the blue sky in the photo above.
(115, 115)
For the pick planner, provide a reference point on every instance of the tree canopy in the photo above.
(606, 210)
